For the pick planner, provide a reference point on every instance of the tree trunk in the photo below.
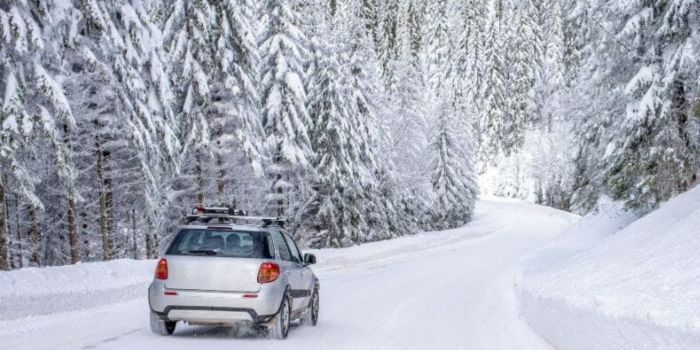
(680, 106)
(4, 255)
(34, 239)
(73, 231)
(200, 180)
(12, 246)
(20, 246)
(86, 236)
(133, 234)
(220, 182)
(70, 215)
(150, 240)
(104, 225)
(280, 198)
(109, 201)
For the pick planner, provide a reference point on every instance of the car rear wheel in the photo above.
(311, 316)
(279, 326)
(162, 327)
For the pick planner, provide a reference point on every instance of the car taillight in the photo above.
(162, 269)
(269, 272)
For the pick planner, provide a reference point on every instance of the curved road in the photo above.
(445, 290)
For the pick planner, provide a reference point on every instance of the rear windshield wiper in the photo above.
(204, 251)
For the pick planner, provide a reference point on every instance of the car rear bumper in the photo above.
(213, 306)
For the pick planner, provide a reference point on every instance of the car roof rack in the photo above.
(229, 215)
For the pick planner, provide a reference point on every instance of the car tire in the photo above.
(278, 328)
(162, 327)
(311, 315)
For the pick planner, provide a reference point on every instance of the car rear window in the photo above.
(234, 244)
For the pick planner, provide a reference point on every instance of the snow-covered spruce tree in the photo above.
(35, 112)
(524, 54)
(650, 156)
(493, 120)
(388, 33)
(149, 158)
(284, 50)
(369, 15)
(452, 178)
(552, 82)
(380, 214)
(590, 107)
(125, 138)
(551, 131)
(336, 205)
(408, 96)
(438, 43)
(453, 175)
(187, 36)
(470, 50)
(234, 115)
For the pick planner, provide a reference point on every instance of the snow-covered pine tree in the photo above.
(438, 43)
(369, 15)
(453, 178)
(470, 49)
(234, 115)
(651, 157)
(187, 36)
(338, 198)
(380, 213)
(149, 158)
(408, 96)
(590, 107)
(524, 58)
(284, 50)
(493, 119)
(125, 138)
(552, 82)
(35, 114)
(551, 131)
(388, 33)
(15, 114)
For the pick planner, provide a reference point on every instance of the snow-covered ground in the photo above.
(612, 282)
(38, 291)
(443, 290)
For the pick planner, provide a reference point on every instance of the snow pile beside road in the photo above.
(638, 288)
(39, 291)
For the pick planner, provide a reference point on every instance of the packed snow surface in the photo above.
(442, 290)
(637, 288)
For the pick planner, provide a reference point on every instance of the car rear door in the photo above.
(289, 266)
(306, 278)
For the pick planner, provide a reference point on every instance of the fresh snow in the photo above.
(636, 288)
(442, 290)
(38, 291)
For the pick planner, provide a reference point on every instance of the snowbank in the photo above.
(39, 291)
(637, 288)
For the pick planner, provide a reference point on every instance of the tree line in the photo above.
(359, 120)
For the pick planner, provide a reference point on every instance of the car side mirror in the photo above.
(309, 259)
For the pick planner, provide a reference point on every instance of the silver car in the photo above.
(223, 269)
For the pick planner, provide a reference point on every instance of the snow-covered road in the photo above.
(446, 290)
